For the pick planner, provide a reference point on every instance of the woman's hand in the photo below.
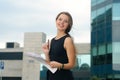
(55, 64)
(45, 48)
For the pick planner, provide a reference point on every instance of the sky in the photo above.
(20, 16)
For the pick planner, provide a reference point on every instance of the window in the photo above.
(11, 55)
(109, 48)
(100, 1)
(93, 2)
(108, 15)
(116, 47)
(116, 11)
(109, 58)
(102, 50)
(94, 51)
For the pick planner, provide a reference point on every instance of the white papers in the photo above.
(39, 58)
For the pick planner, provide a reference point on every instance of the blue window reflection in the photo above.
(116, 11)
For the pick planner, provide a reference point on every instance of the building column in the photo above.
(32, 43)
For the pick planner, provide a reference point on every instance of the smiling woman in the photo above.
(61, 53)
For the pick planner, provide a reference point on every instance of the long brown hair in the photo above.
(70, 21)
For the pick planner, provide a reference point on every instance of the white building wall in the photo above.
(12, 68)
(32, 43)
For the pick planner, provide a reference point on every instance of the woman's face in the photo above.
(62, 22)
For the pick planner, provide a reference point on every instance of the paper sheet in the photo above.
(41, 60)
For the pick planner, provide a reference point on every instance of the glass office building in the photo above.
(105, 39)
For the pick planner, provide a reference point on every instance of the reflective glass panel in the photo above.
(94, 51)
(99, 1)
(93, 2)
(109, 48)
(101, 50)
(116, 11)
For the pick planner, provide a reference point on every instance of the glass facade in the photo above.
(105, 40)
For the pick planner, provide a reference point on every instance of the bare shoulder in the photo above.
(68, 41)
(70, 46)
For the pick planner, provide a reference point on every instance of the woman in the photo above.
(61, 52)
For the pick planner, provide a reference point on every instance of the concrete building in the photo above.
(15, 65)
(11, 57)
(31, 67)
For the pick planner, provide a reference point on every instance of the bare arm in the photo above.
(70, 49)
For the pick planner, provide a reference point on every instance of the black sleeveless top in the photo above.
(58, 53)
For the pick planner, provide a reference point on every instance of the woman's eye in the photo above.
(66, 21)
(59, 19)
